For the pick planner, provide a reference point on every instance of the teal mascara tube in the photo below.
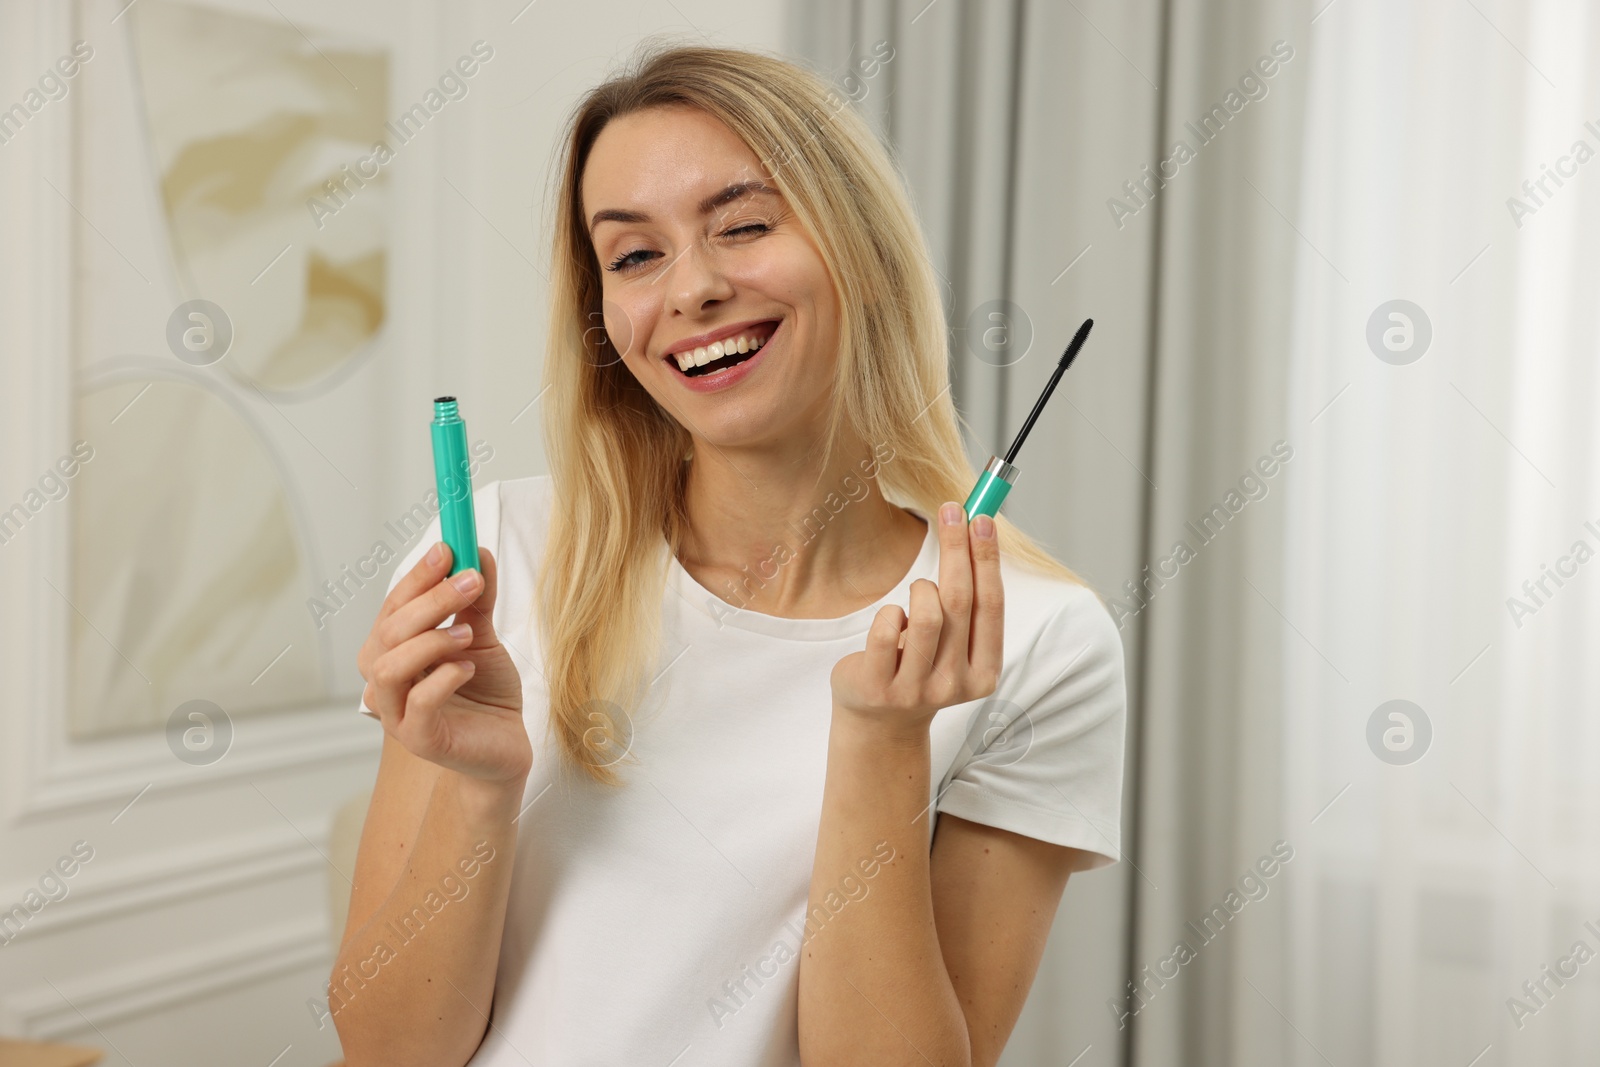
(998, 474)
(453, 480)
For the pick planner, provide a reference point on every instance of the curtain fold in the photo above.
(1206, 970)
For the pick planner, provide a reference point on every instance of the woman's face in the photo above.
(692, 241)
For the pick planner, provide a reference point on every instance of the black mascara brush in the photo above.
(1000, 474)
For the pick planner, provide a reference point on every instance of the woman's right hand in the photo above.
(454, 700)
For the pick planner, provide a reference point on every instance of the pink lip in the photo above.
(723, 379)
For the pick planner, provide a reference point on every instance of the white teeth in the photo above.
(699, 357)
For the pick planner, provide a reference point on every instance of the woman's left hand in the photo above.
(947, 652)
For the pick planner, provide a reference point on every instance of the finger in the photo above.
(397, 670)
(425, 612)
(429, 695)
(883, 644)
(922, 633)
(480, 613)
(369, 697)
(426, 573)
(955, 590)
(434, 565)
(989, 604)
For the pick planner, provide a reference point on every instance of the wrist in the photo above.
(878, 732)
(486, 803)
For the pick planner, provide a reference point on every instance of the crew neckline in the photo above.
(702, 599)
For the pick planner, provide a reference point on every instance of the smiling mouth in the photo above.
(728, 352)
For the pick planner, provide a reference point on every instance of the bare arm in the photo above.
(414, 978)
(916, 955)
(929, 958)
(873, 984)
(995, 895)
(413, 985)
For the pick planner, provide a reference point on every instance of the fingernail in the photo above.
(466, 582)
(983, 526)
(436, 553)
(950, 514)
(459, 630)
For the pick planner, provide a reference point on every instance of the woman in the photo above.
(728, 759)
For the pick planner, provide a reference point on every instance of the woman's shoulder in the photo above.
(1053, 616)
(522, 504)
(510, 516)
(514, 516)
(530, 495)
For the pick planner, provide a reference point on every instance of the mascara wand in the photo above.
(999, 474)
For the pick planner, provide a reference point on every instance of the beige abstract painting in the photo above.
(193, 545)
(194, 587)
(248, 119)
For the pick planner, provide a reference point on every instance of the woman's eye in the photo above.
(627, 262)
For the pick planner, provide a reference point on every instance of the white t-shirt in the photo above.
(658, 922)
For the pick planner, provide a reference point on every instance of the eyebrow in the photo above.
(754, 187)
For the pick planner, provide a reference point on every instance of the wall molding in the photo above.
(177, 875)
(110, 996)
(62, 778)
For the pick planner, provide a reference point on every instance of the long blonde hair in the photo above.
(617, 458)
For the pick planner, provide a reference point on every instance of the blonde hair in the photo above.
(617, 458)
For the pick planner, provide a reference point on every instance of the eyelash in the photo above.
(621, 262)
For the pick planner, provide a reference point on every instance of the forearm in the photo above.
(414, 984)
(873, 983)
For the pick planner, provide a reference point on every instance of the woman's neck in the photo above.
(767, 535)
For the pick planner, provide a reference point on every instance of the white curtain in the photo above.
(1342, 667)
(1426, 495)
